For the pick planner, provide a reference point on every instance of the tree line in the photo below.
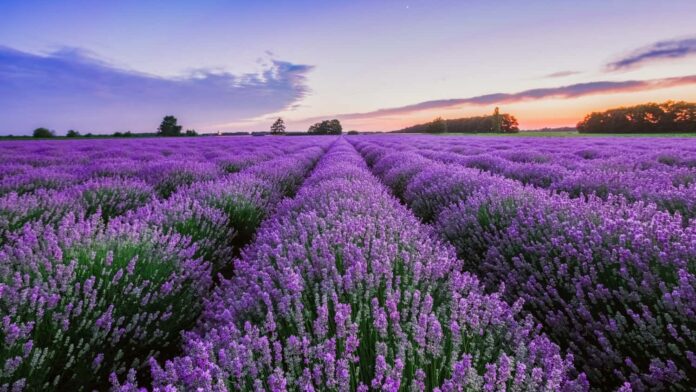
(170, 127)
(494, 123)
(651, 117)
(326, 127)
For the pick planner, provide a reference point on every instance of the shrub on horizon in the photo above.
(43, 133)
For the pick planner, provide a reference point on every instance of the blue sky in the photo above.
(376, 65)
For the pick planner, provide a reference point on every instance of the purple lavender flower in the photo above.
(346, 281)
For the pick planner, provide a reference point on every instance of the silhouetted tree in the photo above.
(508, 123)
(72, 133)
(191, 132)
(326, 127)
(169, 127)
(497, 120)
(43, 132)
(439, 125)
(278, 127)
(666, 117)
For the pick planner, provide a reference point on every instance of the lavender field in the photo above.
(359, 263)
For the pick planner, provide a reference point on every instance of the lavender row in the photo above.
(344, 290)
(28, 167)
(672, 189)
(651, 170)
(84, 299)
(613, 283)
(116, 189)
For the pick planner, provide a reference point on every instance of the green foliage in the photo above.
(353, 132)
(43, 133)
(72, 133)
(191, 132)
(169, 184)
(113, 201)
(169, 127)
(244, 216)
(207, 227)
(497, 120)
(495, 123)
(44, 207)
(669, 116)
(116, 308)
(278, 127)
(326, 127)
(439, 125)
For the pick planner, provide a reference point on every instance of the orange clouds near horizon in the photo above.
(531, 114)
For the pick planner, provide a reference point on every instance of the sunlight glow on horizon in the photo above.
(236, 66)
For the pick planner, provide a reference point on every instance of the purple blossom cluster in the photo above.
(42, 181)
(102, 273)
(84, 300)
(412, 263)
(343, 289)
(659, 171)
(612, 279)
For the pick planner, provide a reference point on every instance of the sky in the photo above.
(376, 65)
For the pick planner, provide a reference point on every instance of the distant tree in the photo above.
(128, 134)
(439, 125)
(43, 133)
(117, 134)
(508, 123)
(191, 132)
(497, 120)
(72, 133)
(278, 127)
(665, 117)
(90, 134)
(169, 127)
(326, 127)
(353, 132)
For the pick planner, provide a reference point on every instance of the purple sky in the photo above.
(376, 65)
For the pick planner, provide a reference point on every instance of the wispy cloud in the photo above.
(561, 74)
(563, 92)
(672, 49)
(72, 88)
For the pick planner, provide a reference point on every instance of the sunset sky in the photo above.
(376, 65)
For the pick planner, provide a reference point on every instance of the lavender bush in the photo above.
(612, 281)
(167, 176)
(244, 199)
(112, 197)
(343, 290)
(83, 301)
(660, 171)
(45, 207)
(122, 263)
